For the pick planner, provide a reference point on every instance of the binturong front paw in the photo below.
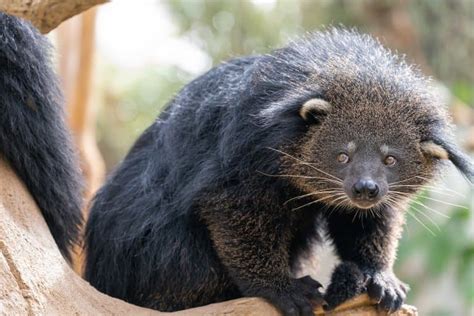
(387, 290)
(296, 299)
(348, 281)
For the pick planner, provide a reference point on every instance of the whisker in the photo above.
(343, 198)
(429, 188)
(313, 193)
(421, 223)
(427, 217)
(424, 178)
(312, 202)
(333, 209)
(414, 177)
(298, 176)
(429, 180)
(415, 217)
(355, 215)
(408, 179)
(425, 206)
(449, 190)
(397, 197)
(376, 212)
(392, 202)
(307, 163)
(447, 203)
(341, 205)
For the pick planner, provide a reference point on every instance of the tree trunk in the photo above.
(76, 58)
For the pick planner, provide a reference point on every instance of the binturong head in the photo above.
(367, 155)
(375, 131)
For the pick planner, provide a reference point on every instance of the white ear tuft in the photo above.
(434, 150)
(313, 107)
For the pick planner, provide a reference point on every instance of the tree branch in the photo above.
(46, 15)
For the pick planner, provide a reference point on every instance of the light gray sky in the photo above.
(133, 36)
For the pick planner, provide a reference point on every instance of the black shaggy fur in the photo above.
(33, 134)
(191, 216)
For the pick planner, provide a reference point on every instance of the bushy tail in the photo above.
(33, 134)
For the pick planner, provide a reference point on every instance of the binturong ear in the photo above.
(432, 150)
(445, 150)
(314, 109)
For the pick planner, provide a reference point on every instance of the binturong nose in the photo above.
(365, 189)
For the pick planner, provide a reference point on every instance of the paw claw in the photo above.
(298, 298)
(375, 291)
(387, 290)
(310, 288)
(327, 307)
(348, 280)
(309, 281)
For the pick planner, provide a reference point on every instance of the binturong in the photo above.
(261, 158)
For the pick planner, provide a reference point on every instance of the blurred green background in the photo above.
(436, 260)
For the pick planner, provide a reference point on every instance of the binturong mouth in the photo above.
(363, 204)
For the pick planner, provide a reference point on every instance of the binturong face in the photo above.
(361, 157)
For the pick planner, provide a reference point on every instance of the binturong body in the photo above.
(254, 161)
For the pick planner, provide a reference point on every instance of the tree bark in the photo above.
(46, 15)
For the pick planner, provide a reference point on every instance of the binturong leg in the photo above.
(366, 247)
(253, 246)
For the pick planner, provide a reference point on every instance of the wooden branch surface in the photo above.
(46, 15)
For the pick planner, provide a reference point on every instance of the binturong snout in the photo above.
(365, 189)
(365, 193)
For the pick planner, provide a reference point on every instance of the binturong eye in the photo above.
(390, 161)
(343, 158)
